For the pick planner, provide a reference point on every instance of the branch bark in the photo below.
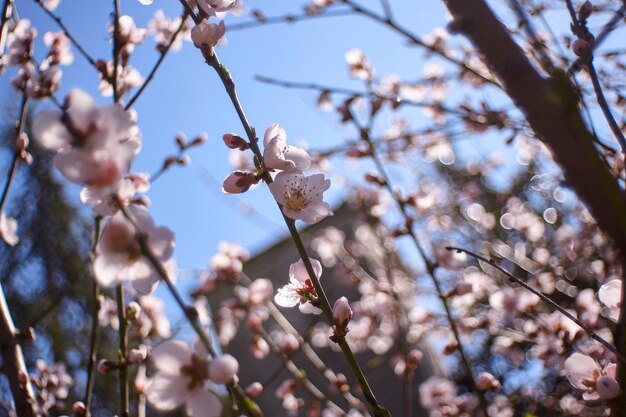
(551, 108)
(13, 364)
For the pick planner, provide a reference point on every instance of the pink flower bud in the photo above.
(184, 160)
(136, 355)
(200, 139)
(414, 357)
(223, 369)
(206, 35)
(486, 381)
(342, 313)
(234, 141)
(254, 390)
(607, 387)
(78, 408)
(289, 344)
(580, 47)
(22, 378)
(21, 143)
(105, 365)
(239, 182)
(181, 140)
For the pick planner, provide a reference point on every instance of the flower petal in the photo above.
(170, 356)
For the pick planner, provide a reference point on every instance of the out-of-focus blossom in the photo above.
(328, 244)
(278, 155)
(105, 199)
(211, 7)
(59, 45)
(127, 79)
(182, 379)
(162, 28)
(610, 294)
(94, 145)
(120, 256)
(20, 42)
(8, 229)
(223, 369)
(584, 373)
(358, 65)
(300, 291)
(301, 197)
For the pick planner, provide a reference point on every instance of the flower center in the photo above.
(197, 372)
(296, 196)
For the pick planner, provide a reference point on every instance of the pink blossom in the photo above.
(584, 373)
(20, 42)
(301, 197)
(278, 155)
(182, 379)
(95, 146)
(59, 45)
(211, 7)
(162, 28)
(358, 64)
(120, 256)
(125, 191)
(223, 369)
(300, 291)
(8, 229)
(610, 294)
(127, 79)
(205, 35)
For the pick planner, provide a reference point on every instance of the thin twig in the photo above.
(417, 40)
(95, 327)
(213, 61)
(157, 64)
(4, 18)
(597, 88)
(290, 18)
(69, 36)
(116, 49)
(123, 352)
(16, 154)
(545, 298)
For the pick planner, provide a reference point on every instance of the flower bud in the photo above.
(234, 141)
(105, 365)
(78, 408)
(223, 369)
(200, 139)
(486, 382)
(254, 390)
(580, 47)
(607, 387)
(289, 344)
(239, 182)
(21, 142)
(342, 313)
(136, 355)
(206, 35)
(181, 140)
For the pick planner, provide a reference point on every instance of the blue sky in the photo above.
(187, 96)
